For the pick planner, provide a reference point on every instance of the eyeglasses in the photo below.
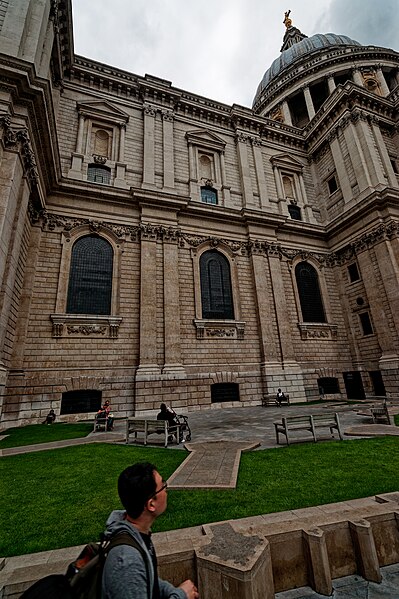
(164, 486)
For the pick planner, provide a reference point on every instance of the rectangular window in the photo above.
(295, 212)
(353, 272)
(332, 184)
(366, 323)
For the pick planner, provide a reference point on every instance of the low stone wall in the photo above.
(254, 558)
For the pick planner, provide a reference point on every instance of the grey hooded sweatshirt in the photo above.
(125, 573)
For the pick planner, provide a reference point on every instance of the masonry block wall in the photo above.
(164, 177)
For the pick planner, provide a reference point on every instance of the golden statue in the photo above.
(287, 21)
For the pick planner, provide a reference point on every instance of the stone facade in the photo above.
(164, 176)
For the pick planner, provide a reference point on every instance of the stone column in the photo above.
(225, 188)
(372, 162)
(284, 324)
(122, 133)
(389, 268)
(79, 140)
(309, 102)
(149, 146)
(171, 298)
(286, 113)
(357, 157)
(269, 345)
(381, 323)
(260, 172)
(343, 178)
(168, 150)
(242, 149)
(386, 161)
(357, 77)
(148, 307)
(331, 83)
(382, 81)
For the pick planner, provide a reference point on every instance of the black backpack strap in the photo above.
(124, 538)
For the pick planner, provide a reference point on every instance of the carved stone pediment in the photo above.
(286, 161)
(205, 139)
(103, 110)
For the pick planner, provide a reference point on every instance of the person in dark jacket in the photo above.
(126, 574)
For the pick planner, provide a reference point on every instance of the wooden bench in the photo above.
(329, 420)
(100, 422)
(380, 413)
(270, 400)
(149, 426)
(290, 424)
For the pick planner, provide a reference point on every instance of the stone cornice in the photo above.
(246, 247)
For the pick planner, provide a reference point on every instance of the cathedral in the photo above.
(159, 246)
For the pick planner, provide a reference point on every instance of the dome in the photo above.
(316, 42)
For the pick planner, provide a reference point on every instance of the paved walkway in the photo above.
(220, 435)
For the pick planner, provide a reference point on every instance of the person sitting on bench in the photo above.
(280, 397)
(171, 417)
(106, 412)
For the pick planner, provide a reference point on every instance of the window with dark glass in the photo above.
(295, 212)
(366, 323)
(332, 185)
(353, 273)
(209, 195)
(309, 293)
(216, 291)
(81, 401)
(90, 277)
(96, 173)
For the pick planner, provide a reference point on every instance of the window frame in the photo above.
(86, 325)
(320, 290)
(215, 328)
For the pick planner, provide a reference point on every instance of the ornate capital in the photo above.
(167, 115)
(149, 110)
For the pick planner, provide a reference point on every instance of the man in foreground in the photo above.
(129, 573)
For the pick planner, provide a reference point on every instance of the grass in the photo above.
(40, 433)
(60, 498)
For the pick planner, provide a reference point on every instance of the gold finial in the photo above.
(287, 21)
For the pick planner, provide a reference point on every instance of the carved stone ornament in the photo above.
(98, 159)
(19, 139)
(219, 329)
(80, 325)
(319, 331)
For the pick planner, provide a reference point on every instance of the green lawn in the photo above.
(42, 433)
(60, 498)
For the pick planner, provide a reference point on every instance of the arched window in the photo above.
(98, 173)
(216, 292)
(90, 277)
(309, 293)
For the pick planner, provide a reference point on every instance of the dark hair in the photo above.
(163, 407)
(136, 485)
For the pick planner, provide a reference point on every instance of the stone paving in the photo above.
(354, 587)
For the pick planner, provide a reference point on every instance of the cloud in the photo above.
(367, 21)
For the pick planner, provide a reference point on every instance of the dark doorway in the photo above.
(378, 383)
(354, 385)
(224, 392)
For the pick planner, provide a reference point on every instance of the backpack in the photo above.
(83, 578)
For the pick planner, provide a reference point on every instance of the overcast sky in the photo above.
(218, 48)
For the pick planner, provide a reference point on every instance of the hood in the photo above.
(117, 523)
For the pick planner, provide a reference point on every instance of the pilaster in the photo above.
(148, 308)
(242, 149)
(168, 150)
(343, 178)
(149, 146)
(260, 172)
(173, 358)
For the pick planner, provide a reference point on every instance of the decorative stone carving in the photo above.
(167, 115)
(277, 114)
(219, 329)
(149, 110)
(313, 330)
(99, 159)
(19, 139)
(80, 325)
